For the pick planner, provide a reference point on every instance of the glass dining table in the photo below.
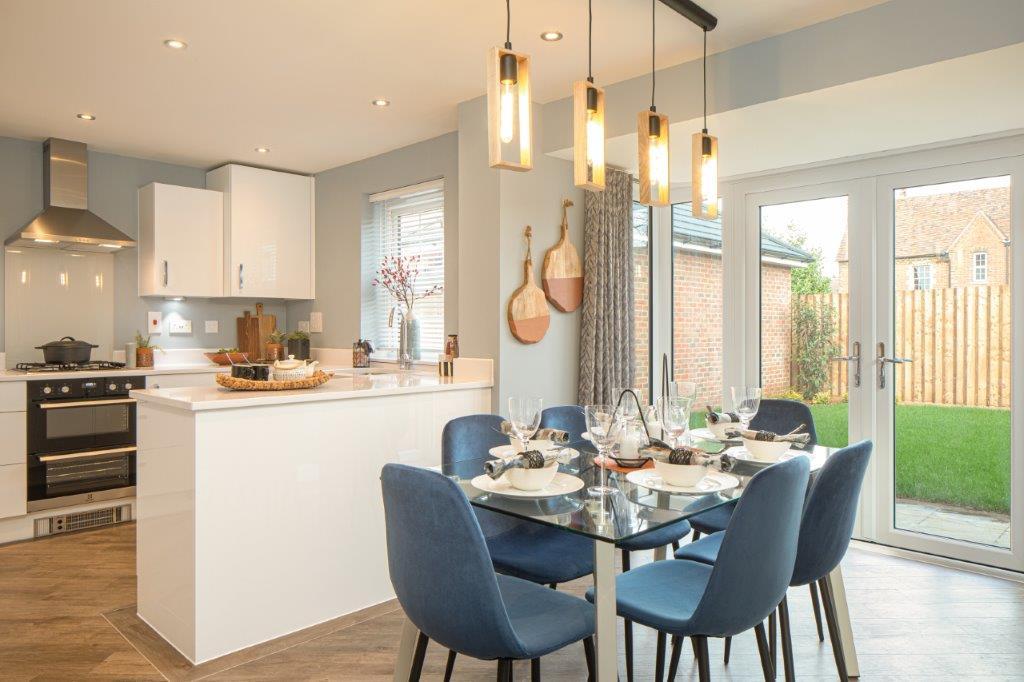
(631, 510)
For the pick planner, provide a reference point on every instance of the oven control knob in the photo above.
(128, 386)
(65, 389)
(47, 390)
(112, 387)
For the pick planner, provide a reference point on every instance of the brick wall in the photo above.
(776, 329)
(697, 323)
(641, 316)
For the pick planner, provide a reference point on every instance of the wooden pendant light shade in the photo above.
(588, 136)
(513, 102)
(652, 155)
(705, 176)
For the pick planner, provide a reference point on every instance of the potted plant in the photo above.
(298, 345)
(398, 275)
(275, 345)
(144, 348)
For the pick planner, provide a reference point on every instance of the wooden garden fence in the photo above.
(959, 339)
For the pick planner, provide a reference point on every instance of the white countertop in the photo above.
(14, 375)
(341, 387)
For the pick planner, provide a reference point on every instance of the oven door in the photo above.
(80, 476)
(62, 426)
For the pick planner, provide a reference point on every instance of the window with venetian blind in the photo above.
(408, 221)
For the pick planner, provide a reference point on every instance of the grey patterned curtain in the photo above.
(606, 334)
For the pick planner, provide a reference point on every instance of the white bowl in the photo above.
(720, 428)
(532, 479)
(538, 445)
(765, 450)
(683, 475)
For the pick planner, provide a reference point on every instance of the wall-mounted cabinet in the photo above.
(268, 232)
(181, 237)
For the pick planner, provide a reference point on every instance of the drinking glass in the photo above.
(604, 424)
(683, 389)
(627, 406)
(524, 416)
(745, 402)
(674, 414)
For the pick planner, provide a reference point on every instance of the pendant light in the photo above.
(652, 145)
(705, 160)
(588, 122)
(509, 134)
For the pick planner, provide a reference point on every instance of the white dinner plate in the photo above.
(563, 484)
(740, 452)
(503, 451)
(714, 482)
(705, 433)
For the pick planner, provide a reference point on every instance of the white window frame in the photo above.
(983, 266)
(921, 273)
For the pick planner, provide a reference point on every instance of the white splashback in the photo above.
(49, 294)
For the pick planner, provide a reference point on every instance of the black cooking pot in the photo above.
(67, 351)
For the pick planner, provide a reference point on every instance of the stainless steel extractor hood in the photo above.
(66, 222)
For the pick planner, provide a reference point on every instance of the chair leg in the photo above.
(728, 649)
(772, 641)
(553, 586)
(659, 659)
(625, 560)
(833, 629)
(588, 652)
(675, 545)
(417, 658)
(703, 663)
(787, 641)
(696, 535)
(629, 650)
(449, 667)
(504, 670)
(762, 649)
(677, 650)
(817, 611)
(534, 670)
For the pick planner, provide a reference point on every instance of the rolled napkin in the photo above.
(797, 436)
(721, 417)
(682, 455)
(531, 459)
(554, 435)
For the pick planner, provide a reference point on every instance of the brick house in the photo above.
(951, 239)
(697, 303)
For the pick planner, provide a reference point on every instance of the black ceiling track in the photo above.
(694, 12)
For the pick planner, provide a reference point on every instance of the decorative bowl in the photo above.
(765, 450)
(682, 475)
(538, 445)
(225, 359)
(720, 428)
(532, 479)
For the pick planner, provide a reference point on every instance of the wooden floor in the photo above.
(61, 598)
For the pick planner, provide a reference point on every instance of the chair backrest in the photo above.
(782, 416)
(829, 513)
(471, 437)
(755, 561)
(568, 418)
(440, 567)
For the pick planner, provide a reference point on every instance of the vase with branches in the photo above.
(398, 276)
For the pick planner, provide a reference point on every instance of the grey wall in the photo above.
(113, 185)
(341, 199)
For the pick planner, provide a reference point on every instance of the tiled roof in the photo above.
(928, 225)
(690, 230)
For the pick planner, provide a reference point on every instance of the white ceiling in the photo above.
(297, 76)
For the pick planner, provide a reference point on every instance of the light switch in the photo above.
(155, 324)
(316, 323)
(212, 326)
(304, 326)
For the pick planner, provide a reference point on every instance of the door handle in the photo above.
(883, 360)
(80, 455)
(241, 279)
(166, 271)
(855, 359)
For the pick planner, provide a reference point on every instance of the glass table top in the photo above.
(629, 511)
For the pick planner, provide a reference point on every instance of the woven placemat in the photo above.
(318, 379)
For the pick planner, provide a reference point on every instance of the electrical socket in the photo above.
(212, 326)
(304, 326)
(316, 323)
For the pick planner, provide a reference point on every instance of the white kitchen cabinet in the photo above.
(181, 241)
(13, 490)
(268, 232)
(12, 445)
(182, 380)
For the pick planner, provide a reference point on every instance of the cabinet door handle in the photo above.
(241, 279)
(166, 273)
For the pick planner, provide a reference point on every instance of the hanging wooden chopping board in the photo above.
(562, 274)
(528, 316)
(253, 331)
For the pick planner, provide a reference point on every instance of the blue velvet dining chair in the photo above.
(736, 594)
(828, 517)
(571, 419)
(444, 580)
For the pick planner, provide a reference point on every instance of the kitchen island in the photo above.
(259, 514)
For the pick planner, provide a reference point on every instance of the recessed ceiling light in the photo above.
(175, 44)
(551, 36)
(86, 117)
(263, 150)
(381, 102)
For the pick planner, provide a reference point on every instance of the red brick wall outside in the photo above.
(641, 316)
(697, 323)
(776, 329)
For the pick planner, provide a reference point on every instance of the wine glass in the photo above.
(604, 424)
(745, 402)
(683, 389)
(524, 416)
(674, 413)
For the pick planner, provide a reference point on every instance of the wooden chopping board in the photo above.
(528, 316)
(562, 273)
(253, 331)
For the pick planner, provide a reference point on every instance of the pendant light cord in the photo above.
(508, 24)
(653, 5)
(590, 41)
(705, 80)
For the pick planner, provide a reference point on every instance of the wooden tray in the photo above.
(228, 381)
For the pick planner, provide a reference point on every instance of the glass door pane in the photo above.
(642, 298)
(952, 324)
(805, 275)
